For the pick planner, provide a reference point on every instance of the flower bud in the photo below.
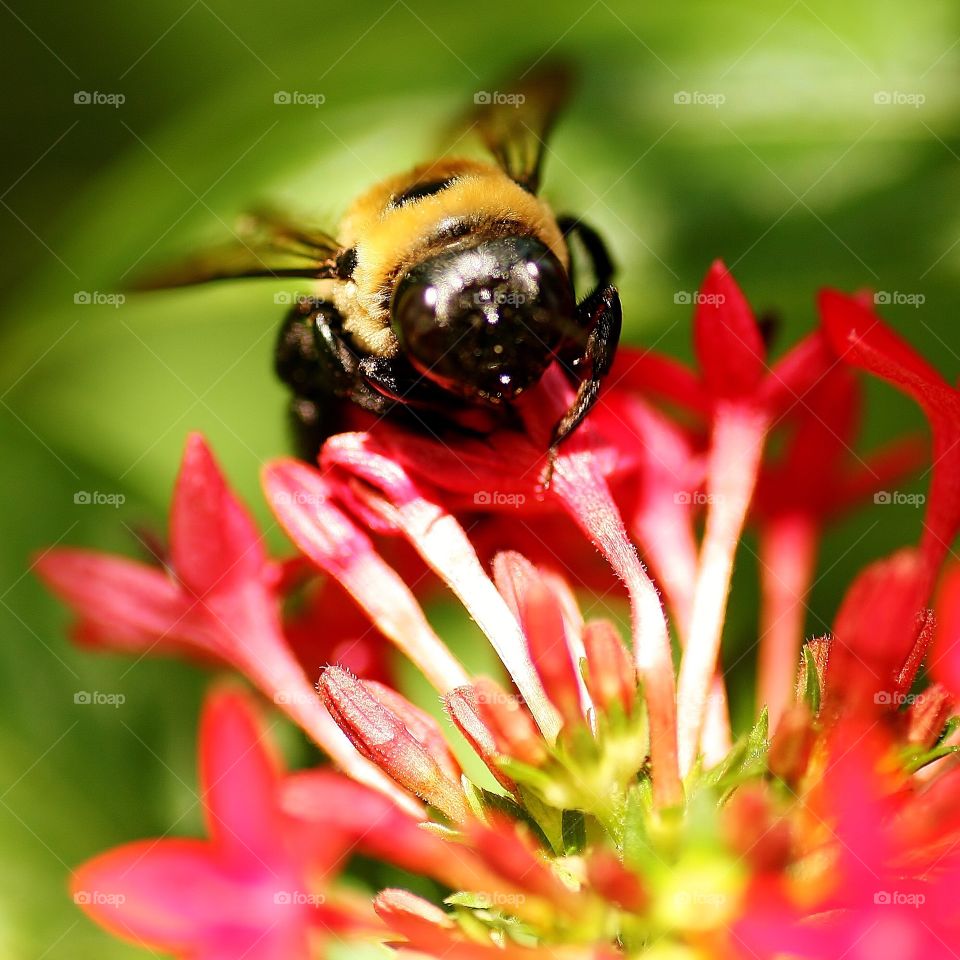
(611, 676)
(513, 730)
(384, 738)
(461, 707)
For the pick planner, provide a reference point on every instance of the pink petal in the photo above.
(398, 499)
(301, 500)
(580, 487)
(174, 895)
(240, 780)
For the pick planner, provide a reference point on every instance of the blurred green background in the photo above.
(832, 159)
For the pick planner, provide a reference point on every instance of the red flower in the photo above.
(220, 599)
(863, 340)
(252, 890)
(817, 477)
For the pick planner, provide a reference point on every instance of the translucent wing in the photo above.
(515, 123)
(265, 244)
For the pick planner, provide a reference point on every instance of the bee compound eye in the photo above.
(484, 321)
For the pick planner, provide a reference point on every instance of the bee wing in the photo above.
(265, 244)
(514, 124)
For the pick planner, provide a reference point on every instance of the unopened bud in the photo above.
(513, 730)
(383, 738)
(461, 706)
(611, 676)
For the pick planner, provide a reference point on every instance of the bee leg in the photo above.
(314, 358)
(600, 313)
(593, 244)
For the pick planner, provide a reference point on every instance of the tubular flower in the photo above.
(585, 799)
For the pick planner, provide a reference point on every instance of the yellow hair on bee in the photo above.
(389, 239)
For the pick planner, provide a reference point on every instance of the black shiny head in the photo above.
(483, 321)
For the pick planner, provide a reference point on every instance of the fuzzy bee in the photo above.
(447, 291)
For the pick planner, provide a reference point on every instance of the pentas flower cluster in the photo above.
(590, 800)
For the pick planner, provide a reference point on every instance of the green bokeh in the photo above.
(798, 179)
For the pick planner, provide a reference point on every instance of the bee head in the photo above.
(483, 320)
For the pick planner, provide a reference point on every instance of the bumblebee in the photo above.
(447, 291)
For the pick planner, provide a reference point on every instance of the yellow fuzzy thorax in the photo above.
(390, 239)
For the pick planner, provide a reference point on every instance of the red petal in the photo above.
(796, 373)
(214, 545)
(654, 375)
(876, 631)
(131, 605)
(727, 341)
(862, 339)
(945, 660)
